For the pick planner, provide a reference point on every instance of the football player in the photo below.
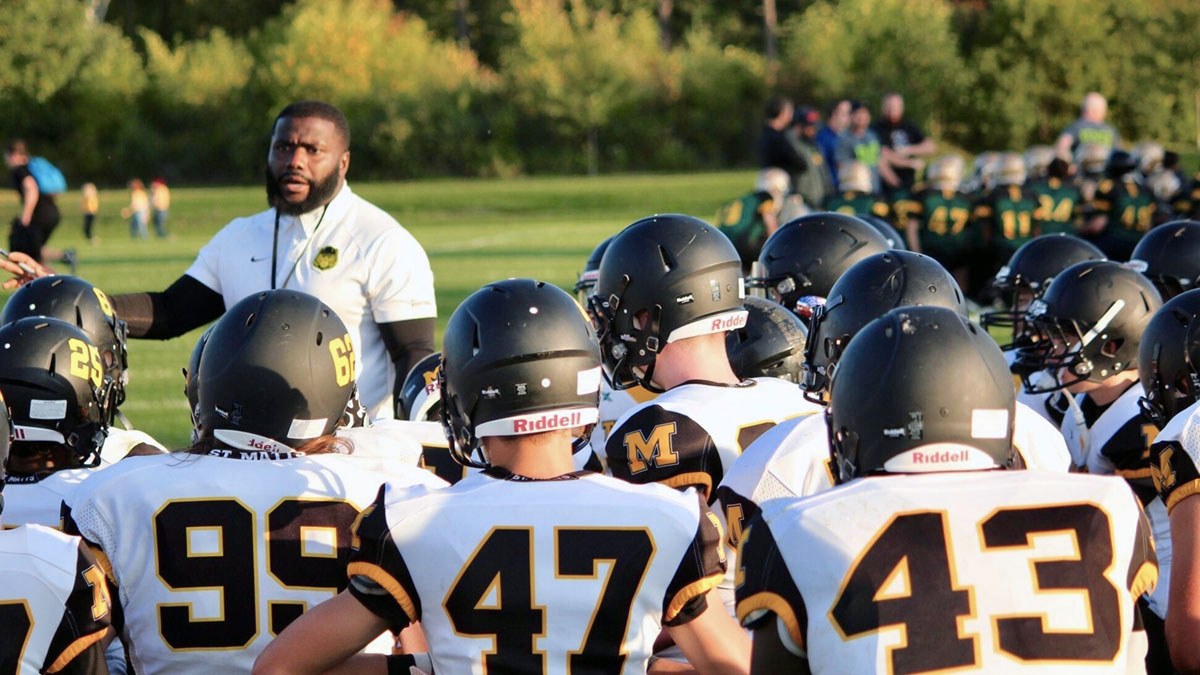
(502, 569)
(1170, 256)
(1090, 321)
(1006, 217)
(798, 265)
(931, 556)
(751, 219)
(1037, 161)
(1122, 210)
(1092, 159)
(857, 195)
(88, 308)
(55, 611)
(938, 218)
(1167, 366)
(771, 344)
(792, 459)
(1058, 199)
(1026, 277)
(613, 402)
(53, 379)
(251, 525)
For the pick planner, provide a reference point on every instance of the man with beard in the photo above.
(320, 238)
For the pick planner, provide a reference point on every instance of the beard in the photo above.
(319, 194)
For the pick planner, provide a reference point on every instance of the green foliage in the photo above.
(864, 48)
(42, 45)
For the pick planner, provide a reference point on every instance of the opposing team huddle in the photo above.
(830, 453)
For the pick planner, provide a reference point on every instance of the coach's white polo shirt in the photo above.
(355, 257)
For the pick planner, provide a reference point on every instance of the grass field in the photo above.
(475, 231)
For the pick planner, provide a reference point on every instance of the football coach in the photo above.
(318, 237)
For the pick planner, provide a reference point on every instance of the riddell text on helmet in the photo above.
(729, 322)
(548, 422)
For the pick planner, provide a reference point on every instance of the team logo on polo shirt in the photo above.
(326, 258)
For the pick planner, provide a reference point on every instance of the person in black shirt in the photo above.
(39, 214)
(774, 148)
(903, 140)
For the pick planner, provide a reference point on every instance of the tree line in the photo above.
(188, 90)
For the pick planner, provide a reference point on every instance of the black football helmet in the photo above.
(420, 396)
(1169, 359)
(277, 371)
(591, 271)
(771, 344)
(1089, 323)
(868, 290)
(83, 305)
(883, 227)
(895, 406)
(191, 380)
(805, 256)
(1027, 275)
(662, 279)
(57, 391)
(1170, 255)
(518, 357)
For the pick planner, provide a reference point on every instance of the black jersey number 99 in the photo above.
(232, 568)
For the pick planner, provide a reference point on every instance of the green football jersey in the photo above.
(1058, 205)
(742, 221)
(943, 219)
(1008, 214)
(1130, 208)
(851, 203)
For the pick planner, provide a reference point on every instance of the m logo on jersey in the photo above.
(653, 450)
(1162, 473)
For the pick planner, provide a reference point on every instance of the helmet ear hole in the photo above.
(641, 319)
(1111, 347)
(1183, 385)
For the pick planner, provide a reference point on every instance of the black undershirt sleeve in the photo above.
(186, 304)
(407, 342)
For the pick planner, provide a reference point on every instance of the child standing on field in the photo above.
(160, 199)
(91, 206)
(138, 211)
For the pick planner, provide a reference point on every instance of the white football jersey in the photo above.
(213, 555)
(613, 404)
(794, 460)
(691, 434)
(514, 575)
(399, 440)
(999, 571)
(54, 606)
(30, 502)
(1116, 439)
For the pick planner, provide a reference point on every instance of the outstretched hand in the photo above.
(23, 268)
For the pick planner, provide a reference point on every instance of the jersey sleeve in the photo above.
(78, 642)
(1142, 576)
(738, 510)
(655, 445)
(700, 570)
(379, 577)
(399, 279)
(764, 588)
(207, 267)
(1173, 470)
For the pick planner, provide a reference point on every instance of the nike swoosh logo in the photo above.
(253, 259)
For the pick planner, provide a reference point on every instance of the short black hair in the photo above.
(1058, 168)
(775, 106)
(319, 110)
(16, 146)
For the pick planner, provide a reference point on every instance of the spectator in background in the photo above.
(904, 143)
(1089, 128)
(837, 118)
(815, 183)
(138, 211)
(860, 144)
(774, 149)
(160, 200)
(39, 214)
(91, 206)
